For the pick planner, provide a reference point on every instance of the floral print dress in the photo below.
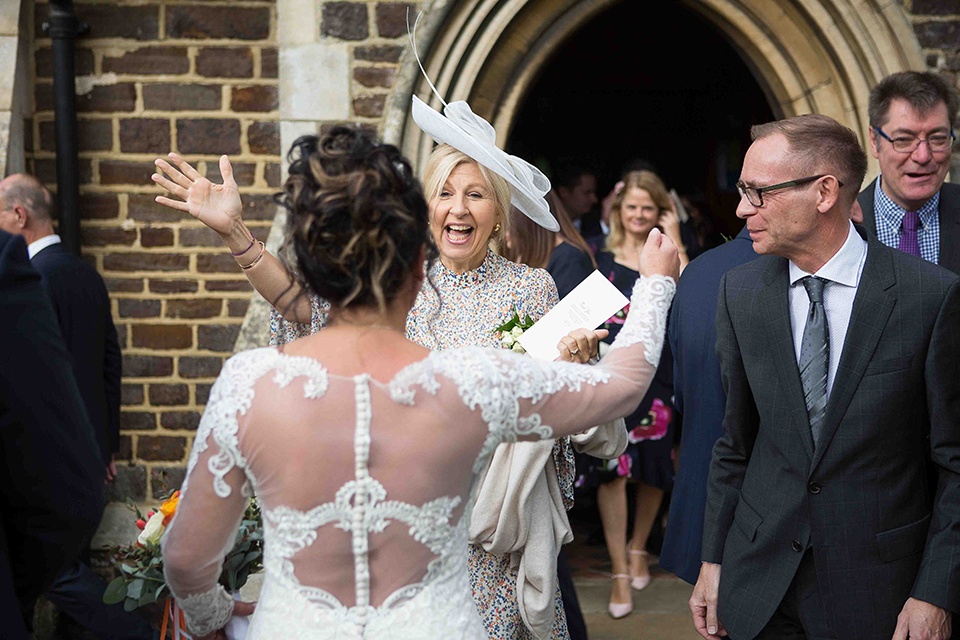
(465, 309)
(649, 454)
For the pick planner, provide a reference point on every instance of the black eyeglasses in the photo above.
(754, 195)
(937, 143)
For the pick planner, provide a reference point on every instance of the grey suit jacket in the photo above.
(862, 500)
(949, 222)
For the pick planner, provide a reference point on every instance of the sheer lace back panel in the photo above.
(346, 475)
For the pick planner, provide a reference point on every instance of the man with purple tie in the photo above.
(911, 133)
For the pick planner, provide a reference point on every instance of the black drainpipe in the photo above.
(63, 29)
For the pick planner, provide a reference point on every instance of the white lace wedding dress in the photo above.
(366, 486)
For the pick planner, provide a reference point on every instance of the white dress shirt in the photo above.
(842, 273)
(37, 246)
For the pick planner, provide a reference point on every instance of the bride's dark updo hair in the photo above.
(356, 218)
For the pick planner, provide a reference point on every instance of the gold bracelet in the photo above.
(263, 250)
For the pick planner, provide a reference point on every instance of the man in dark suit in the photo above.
(911, 133)
(82, 305)
(839, 357)
(52, 479)
(698, 395)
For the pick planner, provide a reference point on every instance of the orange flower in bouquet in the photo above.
(139, 565)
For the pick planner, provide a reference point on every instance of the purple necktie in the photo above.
(908, 237)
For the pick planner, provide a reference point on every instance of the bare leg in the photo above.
(612, 504)
(648, 503)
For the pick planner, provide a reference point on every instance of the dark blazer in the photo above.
(51, 479)
(80, 300)
(698, 398)
(862, 499)
(949, 222)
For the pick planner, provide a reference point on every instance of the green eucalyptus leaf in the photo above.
(116, 591)
(135, 588)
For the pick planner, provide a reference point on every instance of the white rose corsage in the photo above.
(509, 332)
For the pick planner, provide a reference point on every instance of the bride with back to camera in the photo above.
(366, 545)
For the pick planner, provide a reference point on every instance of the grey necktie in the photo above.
(815, 356)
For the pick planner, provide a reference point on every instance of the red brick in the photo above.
(225, 62)
(213, 337)
(149, 61)
(245, 173)
(92, 135)
(234, 23)
(180, 420)
(344, 20)
(268, 63)
(166, 395)
(161, 448)
(228, 285)
(108, 98)
(264, 138)
(176, 97)
(378, 53)
(392, 18)
(104, 236)
(136, 366)
(122, 172)
(217, 263)
(124, 285)
(137, 308)
(199, 367)
(271, 173)
(131, 394)
(125, 451)
(43, 96)
(259, 207)
(142, 261)
(100, 206)
(259, 97)
(153, 237)
(122, 335)
(137, 421)
(203, 393)
(199, 238)
(173, 286)
(45, 169)
(145, 135)
(130, 483)
(208, 135)
(162, 336)
(369, 106)
(378, 77)
(194, 308)
(140, 22)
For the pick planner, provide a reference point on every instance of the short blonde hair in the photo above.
(649, 182)
(441, 164)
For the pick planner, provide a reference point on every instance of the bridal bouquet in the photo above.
(512, 329)
(139, 565)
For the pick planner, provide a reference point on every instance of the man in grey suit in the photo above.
(911, 133)
(840, 358)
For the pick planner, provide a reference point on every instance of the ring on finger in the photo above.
(574, 351)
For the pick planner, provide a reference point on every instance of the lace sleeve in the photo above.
(213, 497)
(283, 331)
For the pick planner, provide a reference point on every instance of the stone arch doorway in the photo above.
(803, 55)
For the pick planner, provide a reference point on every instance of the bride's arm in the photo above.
(218, 206)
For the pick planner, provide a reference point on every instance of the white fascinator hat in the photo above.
(465, 131)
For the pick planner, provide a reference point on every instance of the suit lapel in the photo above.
(775, 310)
(950, 227)
(871, 310)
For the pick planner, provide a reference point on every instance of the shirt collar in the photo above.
(844, 267)
(892, 213)
(37, 246)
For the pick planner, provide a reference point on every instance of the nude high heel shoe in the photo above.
(639, 583)
(620, 610)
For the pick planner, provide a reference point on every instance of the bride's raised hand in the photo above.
(216, 205)
(659, 256)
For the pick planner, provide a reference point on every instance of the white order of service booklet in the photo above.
(591, 303)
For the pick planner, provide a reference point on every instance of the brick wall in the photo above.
(199, 78)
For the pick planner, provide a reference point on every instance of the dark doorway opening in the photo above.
(651, 80)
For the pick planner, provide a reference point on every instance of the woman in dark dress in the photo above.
(641, 205)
